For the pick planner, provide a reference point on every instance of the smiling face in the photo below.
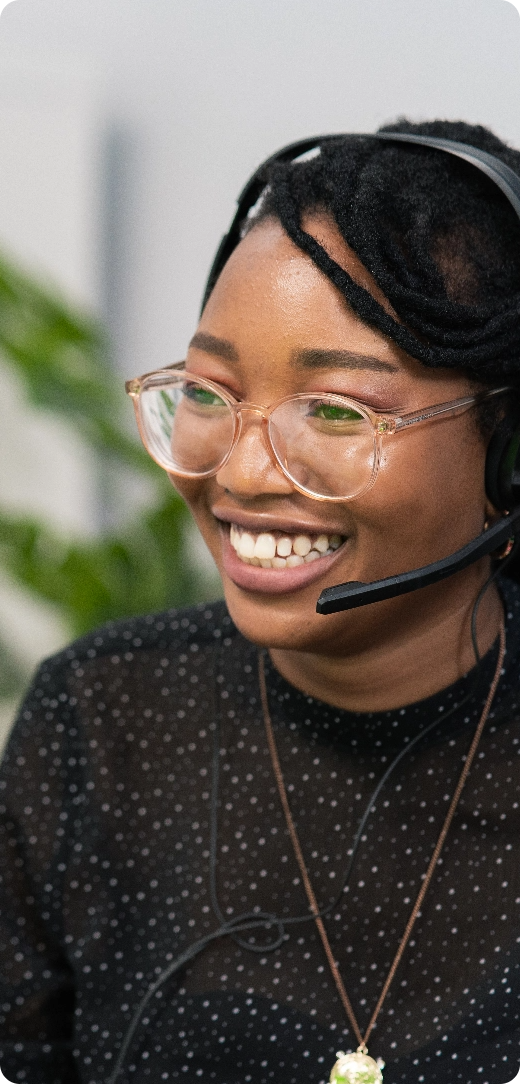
(274, 326)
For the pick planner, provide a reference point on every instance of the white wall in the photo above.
(49, 122)
(206, 88)
(49, 215)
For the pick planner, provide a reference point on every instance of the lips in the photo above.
(297, 558)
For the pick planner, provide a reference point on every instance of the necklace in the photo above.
(358, 1067)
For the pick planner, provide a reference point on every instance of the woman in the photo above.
(245, 837)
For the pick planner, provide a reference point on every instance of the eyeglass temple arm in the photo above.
(452, 407)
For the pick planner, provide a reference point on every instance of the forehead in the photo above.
(272, 305)
(271, 292)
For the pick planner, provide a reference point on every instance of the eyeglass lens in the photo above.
(324, 444)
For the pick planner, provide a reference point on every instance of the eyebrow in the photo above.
(300, 359)
(339, 359)
(221, 348)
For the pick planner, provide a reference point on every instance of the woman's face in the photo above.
(275, 326)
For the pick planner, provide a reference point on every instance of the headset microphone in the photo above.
(348, 596)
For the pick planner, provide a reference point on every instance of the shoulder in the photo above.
(137, 664)
(113, 704)
(171, 630)
(510, 592)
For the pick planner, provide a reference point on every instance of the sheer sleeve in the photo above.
(36, 978)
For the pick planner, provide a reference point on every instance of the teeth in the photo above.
(322, 543)
(266, 551)
(302, 545)
(246, 545)
(284, 547)
(265, 546)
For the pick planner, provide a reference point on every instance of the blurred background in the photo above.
(127, 128)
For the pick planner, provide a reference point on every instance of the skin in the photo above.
(269, 304)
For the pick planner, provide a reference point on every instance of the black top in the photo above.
(106, 868)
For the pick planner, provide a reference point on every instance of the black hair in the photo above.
(440, 239)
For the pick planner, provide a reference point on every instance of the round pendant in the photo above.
(356, 1068)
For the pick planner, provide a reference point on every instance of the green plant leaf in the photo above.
(141, 568)
(12, 671)
(62, 360)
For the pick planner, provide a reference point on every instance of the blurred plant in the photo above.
(62, 362)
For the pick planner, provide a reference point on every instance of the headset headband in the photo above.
(503, 176)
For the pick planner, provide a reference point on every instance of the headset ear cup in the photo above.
(503, 466)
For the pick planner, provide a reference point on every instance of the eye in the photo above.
(331, 412)
(202, 396)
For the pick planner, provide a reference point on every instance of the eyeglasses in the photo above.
(328, 446)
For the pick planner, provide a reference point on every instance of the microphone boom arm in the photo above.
(349, 596)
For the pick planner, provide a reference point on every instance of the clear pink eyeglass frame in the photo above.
(383, 424)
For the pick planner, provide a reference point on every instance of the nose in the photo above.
(251, 470)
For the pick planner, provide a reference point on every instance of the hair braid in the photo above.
(439, 238)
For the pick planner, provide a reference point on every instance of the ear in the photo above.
(491, 514)
(503, 465)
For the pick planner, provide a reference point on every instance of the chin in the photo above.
(286, 622)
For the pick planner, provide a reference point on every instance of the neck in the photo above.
(419, 659)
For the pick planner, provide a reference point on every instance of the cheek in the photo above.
(198, 495)
(449, 464)
(433, 479)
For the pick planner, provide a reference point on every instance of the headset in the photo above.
(502, 471)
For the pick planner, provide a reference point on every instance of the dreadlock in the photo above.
(440, 239)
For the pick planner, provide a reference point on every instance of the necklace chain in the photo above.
(313, 904)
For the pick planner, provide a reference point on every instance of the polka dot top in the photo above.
(140, 815)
